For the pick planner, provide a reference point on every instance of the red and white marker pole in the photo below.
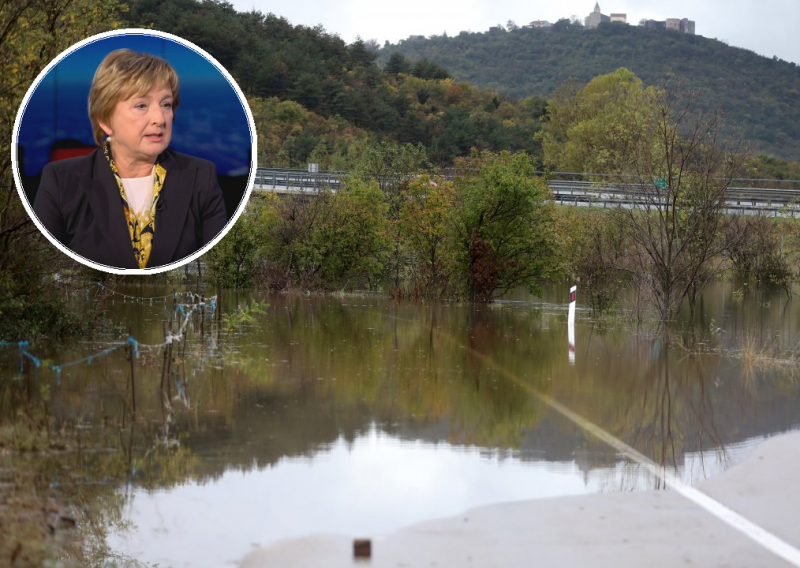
(571, 324)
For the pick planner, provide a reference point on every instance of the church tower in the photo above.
(595, 18)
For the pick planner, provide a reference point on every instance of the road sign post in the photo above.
(314, 169)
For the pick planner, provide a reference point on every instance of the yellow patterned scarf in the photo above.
(141, 226)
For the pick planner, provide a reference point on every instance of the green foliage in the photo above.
(767, 167)
(26, 314)
(595, 129)
(325, 241)
(758, 94)
(31, 34)
(232, 262)
(427, 69)
(489, 231)
(348, 247)
(594, 252)
(290, 136)
(755, 247)
(504, 227)
(231, 321)
(391, 165)
(615, 125)
(424, 225)
(397, 64)
(339, 94)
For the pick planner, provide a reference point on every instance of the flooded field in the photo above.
(280, 416)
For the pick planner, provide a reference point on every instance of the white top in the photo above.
(139, 192)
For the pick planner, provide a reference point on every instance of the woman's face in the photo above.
(141, 127)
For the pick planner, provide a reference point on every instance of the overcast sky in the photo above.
(768, 27)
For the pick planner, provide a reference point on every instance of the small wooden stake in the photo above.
(362, 548)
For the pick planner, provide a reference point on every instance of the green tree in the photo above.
(594, 251)
(360, 55)
(675, 165)
(288, 256)
(424, 225)
(503, 226)
(427, 69)
(397, 64)
(762, 166)
(32, 33)
(350, 244)
(324, 241)
(393, 166)
(233, 260)
(681, 168)
(592, 129)
(754, 245)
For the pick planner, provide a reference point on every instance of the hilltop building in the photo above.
(681, 25)
(539, 24)
(684, 26)
(653, 24)
(595, 18)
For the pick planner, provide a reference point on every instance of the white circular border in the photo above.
(231, 221)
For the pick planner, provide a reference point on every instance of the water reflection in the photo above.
(359, 415)
(371, 485)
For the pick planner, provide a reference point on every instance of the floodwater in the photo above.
(357, 415)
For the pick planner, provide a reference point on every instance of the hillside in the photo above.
(761, 96)
(315, 98)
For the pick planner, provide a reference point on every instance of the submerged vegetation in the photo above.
(486, 232)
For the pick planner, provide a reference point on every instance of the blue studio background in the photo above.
(210, 122)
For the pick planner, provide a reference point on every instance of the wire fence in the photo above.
(183, 311)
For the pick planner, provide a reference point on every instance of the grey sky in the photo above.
(768, 27)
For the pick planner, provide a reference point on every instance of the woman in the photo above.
(132, 203)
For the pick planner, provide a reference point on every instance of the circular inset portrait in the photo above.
(134, 151)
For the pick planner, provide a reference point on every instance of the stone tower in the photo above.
(595, 18)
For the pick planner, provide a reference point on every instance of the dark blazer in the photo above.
(79, 203)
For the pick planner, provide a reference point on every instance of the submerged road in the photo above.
(652, 528)
(745, 517)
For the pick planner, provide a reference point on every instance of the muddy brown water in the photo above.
(358, 415)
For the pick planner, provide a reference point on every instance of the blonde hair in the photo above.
(124, 74)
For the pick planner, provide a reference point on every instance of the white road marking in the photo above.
(758, 534)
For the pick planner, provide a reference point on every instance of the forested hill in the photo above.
(760, 95)
(316, 99)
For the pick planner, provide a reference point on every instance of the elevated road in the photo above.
(778, 197)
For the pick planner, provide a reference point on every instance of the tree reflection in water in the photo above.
(73, 456)
(243, 393)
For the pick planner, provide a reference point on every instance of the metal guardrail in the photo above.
(297, 180)
(597, 193)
